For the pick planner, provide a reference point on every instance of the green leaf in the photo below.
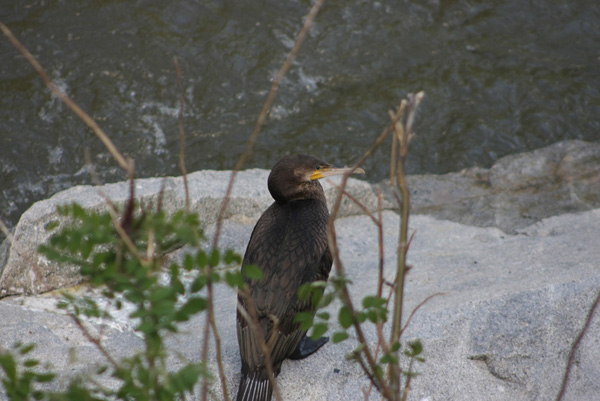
(305, 319)
(323, 315)
(213, 259)
(26, 349)
(389, 358)
(9, 366)
(316, 296)
(30, 363)
(345, 317)
(194, 305)
(45, 377)
(252, 272)
(86, 249)
(326, 299)
(373, 302)
(416, 347)
(304, 291)
(161, 293)
(318, 330)
(188, 262)
(378, 371)
(201, 259)
(232, 257)
(234, 279)
(339, 336)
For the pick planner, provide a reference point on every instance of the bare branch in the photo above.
(213, 324)
(418, 307)
(94, 341)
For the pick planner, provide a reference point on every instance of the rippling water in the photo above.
(500, 77)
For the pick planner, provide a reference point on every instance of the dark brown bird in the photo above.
(289, 243)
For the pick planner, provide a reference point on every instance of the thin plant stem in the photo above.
(94, 341)
(218, 347)
(408, 379)
(403, 135)
(417, 308)
(206, 335)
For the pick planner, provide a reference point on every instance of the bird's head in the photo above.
(296, 177)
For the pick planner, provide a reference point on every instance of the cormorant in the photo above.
(289, 243)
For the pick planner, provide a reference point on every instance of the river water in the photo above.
(500, 77)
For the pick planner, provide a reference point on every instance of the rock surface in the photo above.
(30, 273)
(515, 295)
(517, 191)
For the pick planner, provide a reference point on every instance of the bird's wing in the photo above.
(289, 244)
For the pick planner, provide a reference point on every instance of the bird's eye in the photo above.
(319, 167)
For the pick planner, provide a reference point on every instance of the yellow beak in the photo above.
(328, 171)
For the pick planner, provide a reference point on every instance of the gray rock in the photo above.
(28, 272)
(517, 191)
(512, 305)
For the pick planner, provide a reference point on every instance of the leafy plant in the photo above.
(22, 375)
(130, 267)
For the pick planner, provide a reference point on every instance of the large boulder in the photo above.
(517, 191)
(28, 272)
(511, 308)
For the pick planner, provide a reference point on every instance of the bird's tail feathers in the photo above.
(254, 386)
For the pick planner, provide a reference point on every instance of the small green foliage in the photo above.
(89, 240)
(389, 358)
(375, 308)
(378, 372)
(339, 336)
(318, 329)
(231, 257)
(20, 376)
(252, 272)
(415, 349)
(305, 319)
(214, 257)
(201, 259)
(345, 317)
(188, 262)
(234, 279)
(323, 315)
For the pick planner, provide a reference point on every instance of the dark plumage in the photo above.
(289, 243)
